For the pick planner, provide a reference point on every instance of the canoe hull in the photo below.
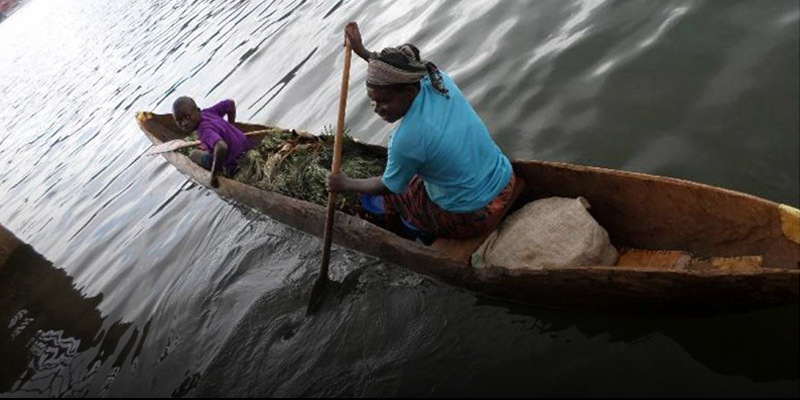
(600, 289)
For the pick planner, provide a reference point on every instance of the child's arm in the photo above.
(231, 112)
(223, 108)
(220, 154)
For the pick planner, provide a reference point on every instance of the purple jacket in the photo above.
(213, 128)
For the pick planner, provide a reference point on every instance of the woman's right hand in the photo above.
(353, 35)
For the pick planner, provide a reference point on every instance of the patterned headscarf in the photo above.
(401, 65)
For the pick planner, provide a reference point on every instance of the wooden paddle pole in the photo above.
(319, 285)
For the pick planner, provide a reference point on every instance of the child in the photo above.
(222, 142)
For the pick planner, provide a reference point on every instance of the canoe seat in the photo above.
(654, 259)
(683, 261)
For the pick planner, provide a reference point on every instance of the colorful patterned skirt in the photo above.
(416, 207)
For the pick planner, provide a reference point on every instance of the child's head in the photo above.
(186, 113)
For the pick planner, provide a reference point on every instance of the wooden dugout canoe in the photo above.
(744, 249)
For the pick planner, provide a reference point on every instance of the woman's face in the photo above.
(391, 103)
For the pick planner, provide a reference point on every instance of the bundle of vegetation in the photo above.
(188, 150)
(295, 164)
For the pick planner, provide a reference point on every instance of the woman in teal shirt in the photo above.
(444, 174)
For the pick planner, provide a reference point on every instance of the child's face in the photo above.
(187, 117)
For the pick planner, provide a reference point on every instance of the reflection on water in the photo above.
(162, 288)
(46, 325)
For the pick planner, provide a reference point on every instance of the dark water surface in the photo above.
(182, 293)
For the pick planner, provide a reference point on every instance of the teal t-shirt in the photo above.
(446, 143)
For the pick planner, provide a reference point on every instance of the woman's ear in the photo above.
(410, 91)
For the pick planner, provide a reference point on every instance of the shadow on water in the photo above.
(384, 331)
(46, 323)
(717, 342)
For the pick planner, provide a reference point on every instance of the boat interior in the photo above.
(656, 223)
